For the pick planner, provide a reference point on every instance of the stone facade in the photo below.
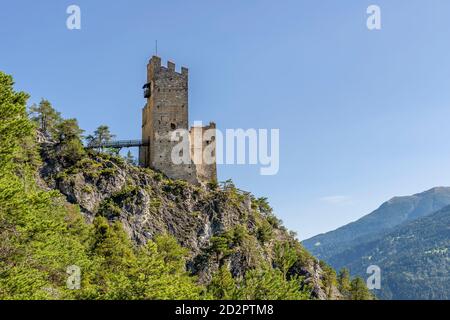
(203, 151)
(166, 111)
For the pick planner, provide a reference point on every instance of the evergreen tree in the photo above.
(329, 281)
(36, 243)
(45, 116)
(14, 125)
(130, 158)
(68, 130)
(223, 286)
(270, 284)
(69, 140)
(359, 290)
(285, 257)
(154, 279)
(344, 283)
(103, 134)
(221, 246)
(264, 232)
(173, 255)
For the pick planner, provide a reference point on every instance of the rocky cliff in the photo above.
(149, 204)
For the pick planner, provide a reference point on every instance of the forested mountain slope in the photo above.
(372, 226)
(414, 259)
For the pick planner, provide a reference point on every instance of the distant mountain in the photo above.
(407, 237)
(414, 259)
(391, 214)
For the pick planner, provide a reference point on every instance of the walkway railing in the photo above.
(117, 144)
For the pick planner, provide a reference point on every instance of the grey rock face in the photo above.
(149, 204)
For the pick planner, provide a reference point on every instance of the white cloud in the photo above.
(337, 200)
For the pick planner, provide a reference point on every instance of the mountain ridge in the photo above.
(409, 240)
(414, 258)
(390, 214)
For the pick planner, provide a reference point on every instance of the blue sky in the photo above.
(363, 115)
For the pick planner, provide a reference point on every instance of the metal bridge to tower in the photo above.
(118, 144)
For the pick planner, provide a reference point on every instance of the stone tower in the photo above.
(167, 110)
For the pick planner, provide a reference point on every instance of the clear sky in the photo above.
(363, 115)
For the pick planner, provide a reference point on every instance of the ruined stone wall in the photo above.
(203, 152)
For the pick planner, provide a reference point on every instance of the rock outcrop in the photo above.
(148, 204)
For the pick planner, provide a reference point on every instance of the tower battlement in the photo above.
(167, 110)
(155, 65)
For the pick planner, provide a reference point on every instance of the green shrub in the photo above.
(239, 233)
(264, 232)
(155, 203)
(87, 188)
(213, 185)
(108, 208)
(109, 172)
(221, 245)
(175, 187)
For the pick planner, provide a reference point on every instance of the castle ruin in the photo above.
(166, 111)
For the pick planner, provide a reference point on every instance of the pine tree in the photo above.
(270, 284)
(45, 116)
(68, 130)
(36, 244)
(223, 286)
(344, 283)
(359, 290)
(130, 158)
(285, 257)
(103, 134)
(69, 140)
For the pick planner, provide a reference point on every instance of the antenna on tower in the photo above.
(156, 47)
